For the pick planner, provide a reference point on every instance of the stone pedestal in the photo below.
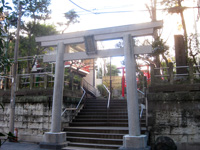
(54, 140)
(135, 143)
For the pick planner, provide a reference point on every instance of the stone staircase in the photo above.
(97, 127)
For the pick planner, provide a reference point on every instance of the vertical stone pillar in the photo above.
(180, 54)
(132, 95)
(58, 90)
(55, 139)
(134, 140)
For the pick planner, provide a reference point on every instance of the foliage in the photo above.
(8, 136)
(37, 10)
(159, 46)
(175, 6)
(72, 18)
(2, 106)
(102, 90)
(77, 79)
(171, 3)
(28, 45)
(4, 62)
(114, 70)
(193, 49)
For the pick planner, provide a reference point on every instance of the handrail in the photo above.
(140, 92)
(89, 87)
(142, 108)
(78, 103)
(142, 105)
(81, 98)
(108, 105)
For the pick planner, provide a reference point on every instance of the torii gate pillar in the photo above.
(133, 141)
(55, 139)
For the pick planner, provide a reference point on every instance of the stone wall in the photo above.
(33, 115)
(176, 115)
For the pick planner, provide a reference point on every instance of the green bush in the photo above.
(102, 90)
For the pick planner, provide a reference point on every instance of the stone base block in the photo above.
(54, 140)
(55, 146)
(30, 138)
(135, 143)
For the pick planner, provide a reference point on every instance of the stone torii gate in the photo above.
(134, 140)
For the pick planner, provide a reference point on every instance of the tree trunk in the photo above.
(184, 27)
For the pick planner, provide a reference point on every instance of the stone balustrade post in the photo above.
(18, 82)
(45, 81)
(171, 73)
(5, 83)
(152, 74)
(191, 73)
(31, 81)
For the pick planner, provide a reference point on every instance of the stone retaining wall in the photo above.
(33, 115)
(176, 115)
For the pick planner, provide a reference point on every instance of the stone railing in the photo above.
(175, 75)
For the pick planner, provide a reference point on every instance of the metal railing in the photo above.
(141, 105)
(34, 80)
(108, 104)
(173, 74)
(144, 106)
(89, 87)
(77, 104)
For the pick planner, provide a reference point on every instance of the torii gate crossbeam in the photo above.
(134, 140)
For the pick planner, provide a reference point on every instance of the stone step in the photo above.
(105, 103)
(82, 148)
(98, 124)
(97, 127)
(100, 120)
(102, 124)
(106, 100)
(115, 130)
(103, 110)
(105, 120)
(102, 113)
(105, 107)
(116, 103)
(97, 108)
(95, 140)
(82, 116)
(94, 146)
(109, 113)
(96, 135)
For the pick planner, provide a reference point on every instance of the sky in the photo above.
(100, 16)
(108, 13)
(103, 13)
(105, 18)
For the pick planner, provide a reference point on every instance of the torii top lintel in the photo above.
(134, 30)
(101, 34)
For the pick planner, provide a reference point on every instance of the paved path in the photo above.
(20, 146)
